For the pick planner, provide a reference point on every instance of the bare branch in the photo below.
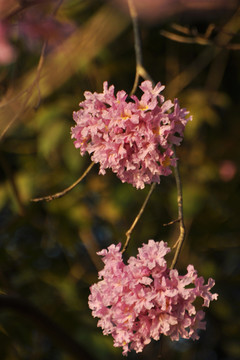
(200, 39)
(140, 70)
(182, 231)
(172, 222)
(129, 232)
(184, 39)
(65, 191)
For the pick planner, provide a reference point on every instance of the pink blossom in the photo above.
(7, 52)
(227, 170)
(132, 137)
(140, 300)
(30, 21)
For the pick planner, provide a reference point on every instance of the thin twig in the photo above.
(140, 70)
(185, 39)
(171, 222)
(65, 191)
(182, 231)
(129, 232)
(203, 39)
(222, 40)
(200, 40)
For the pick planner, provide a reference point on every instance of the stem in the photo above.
(65, 191)
(140, 70)
(129, 232)
(182, 231)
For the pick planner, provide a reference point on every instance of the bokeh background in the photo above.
(51, 52)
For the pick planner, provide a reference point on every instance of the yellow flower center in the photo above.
(166, 162)
(142, 107)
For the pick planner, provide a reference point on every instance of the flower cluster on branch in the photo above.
(132, 137)
(140, 301)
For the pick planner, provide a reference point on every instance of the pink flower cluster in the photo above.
(140, 301)
(134, 138)
(31, 21)
(7, 53)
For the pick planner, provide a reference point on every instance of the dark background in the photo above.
(48, 249)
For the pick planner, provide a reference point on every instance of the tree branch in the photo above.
(65, 191)
(129, 232)
(182, 231)
(140, 70)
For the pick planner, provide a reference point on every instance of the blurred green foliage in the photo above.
(48, 249)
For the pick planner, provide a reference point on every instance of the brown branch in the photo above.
(140, 70)
(182, 231)
(201, 40)
(129, 232)
(193, 36)
(65, 191)
(44, 323)
(185, 39)
(222, 41)
(171, 222)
